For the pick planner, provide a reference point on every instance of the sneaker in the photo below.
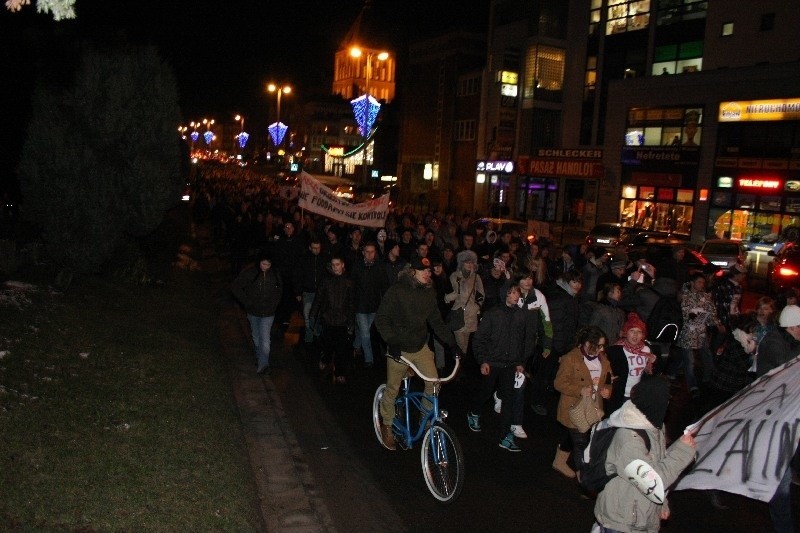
(498, 403)
(474, 422)
(508, 443)
(519, 432)
(540, 409)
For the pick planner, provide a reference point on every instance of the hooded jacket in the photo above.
(621, 505)
(259, 292)
(405, 312)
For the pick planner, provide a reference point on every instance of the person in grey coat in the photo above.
(635, 499)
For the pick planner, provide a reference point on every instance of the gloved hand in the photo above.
(393, 351)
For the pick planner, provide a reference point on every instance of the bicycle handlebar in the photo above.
(422, 376)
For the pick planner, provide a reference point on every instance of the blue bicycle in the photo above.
(441, 456)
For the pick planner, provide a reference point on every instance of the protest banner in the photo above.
(745, 445)
(317, 198)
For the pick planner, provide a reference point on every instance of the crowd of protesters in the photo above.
(577, 321)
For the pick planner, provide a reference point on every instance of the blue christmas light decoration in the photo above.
(208, 136)
(365, 109)
(194, 135)
(243, 137)
(277, 130)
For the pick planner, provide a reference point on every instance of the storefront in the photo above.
(660, 162)
(755, 194)
(554, 174)
(495, 178)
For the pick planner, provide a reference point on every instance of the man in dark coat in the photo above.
(307, 278)
(405, 313)
(371, 281)
(286, 252)
(334, 307)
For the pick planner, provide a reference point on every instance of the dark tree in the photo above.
(101, 160)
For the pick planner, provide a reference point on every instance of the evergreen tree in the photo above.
(101, 160)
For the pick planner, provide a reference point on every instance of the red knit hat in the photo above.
(633, 321)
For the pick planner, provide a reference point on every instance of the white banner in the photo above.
(746, 445)
(319, 199)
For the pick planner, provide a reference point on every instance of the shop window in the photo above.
(634, 137)
(745, 201)
(770, 203)
(647, 193)
(792, 205)
(666, 195)
(685, 196)
(629, 191)
(670, 136)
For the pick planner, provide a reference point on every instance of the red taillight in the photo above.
(787, 272)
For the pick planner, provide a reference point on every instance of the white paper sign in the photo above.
(317, 198)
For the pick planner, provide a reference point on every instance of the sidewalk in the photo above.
(288, 496)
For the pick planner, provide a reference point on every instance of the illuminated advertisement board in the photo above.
(759, 110)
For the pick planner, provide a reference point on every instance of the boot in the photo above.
(388, 437)
(560, 464)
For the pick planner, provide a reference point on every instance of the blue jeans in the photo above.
(260, 329)
(312, 329)
(363, 339)
(688, 365)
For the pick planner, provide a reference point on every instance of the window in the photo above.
(767, 22)
(469, 86)
(627, 15)
(672, 11)
(664, 126)
(594, 16)
(465, 130)
(678, 58)
(544, 73)
(727, 29)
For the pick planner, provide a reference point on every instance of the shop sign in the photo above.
(656, 178)
(761, 110)
(567, 168)
(644, 156)
(792, 186)
(504, 167)
(760, 183)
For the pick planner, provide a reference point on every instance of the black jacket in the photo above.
(309, 273)
(259, 292)
(502, 336)
(564, 313)
(371, 282)
(334, 302)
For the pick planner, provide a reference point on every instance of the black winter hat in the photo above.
(651, 397)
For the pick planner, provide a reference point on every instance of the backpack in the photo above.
(593, 473)
(667, 310)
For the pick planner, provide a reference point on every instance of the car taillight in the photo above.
(787, 272)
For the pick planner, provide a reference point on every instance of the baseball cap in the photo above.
(421, 263)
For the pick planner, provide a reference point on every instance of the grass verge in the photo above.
(116, 411)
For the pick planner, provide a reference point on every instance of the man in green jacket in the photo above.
(405, 312)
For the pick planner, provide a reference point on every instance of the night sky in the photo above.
(222, 53)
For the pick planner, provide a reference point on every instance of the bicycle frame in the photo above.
(407, 399)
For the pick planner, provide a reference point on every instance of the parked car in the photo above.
(725, 252)
(639, 237)
(606, 235)
(784, 269)
(658, 253)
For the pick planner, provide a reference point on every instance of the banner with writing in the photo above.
(746, 445)
(319, 199)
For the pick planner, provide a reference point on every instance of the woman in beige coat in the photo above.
(467, 293)
(583, 371)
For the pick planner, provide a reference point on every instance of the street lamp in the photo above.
(278, 129)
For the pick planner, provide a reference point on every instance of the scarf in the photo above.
(589, 357)
(630, 348)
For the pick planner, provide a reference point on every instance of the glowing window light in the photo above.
(365, 109)
(277, 130)
(208, 136)
(194, 135)
(242, 138)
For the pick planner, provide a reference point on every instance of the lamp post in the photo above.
(365, 108)
(277, 130)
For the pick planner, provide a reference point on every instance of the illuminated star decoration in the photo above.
(242, 137)
(277, 130)
(365, 109)
(208, 136)
(194, 135)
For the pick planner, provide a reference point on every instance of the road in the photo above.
(366, 487)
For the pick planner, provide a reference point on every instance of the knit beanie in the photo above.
(633, 321)
(651, 397)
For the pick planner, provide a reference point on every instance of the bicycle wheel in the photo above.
(376, 413)
(442, 463)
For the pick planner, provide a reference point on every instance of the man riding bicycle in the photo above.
(405, 312)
